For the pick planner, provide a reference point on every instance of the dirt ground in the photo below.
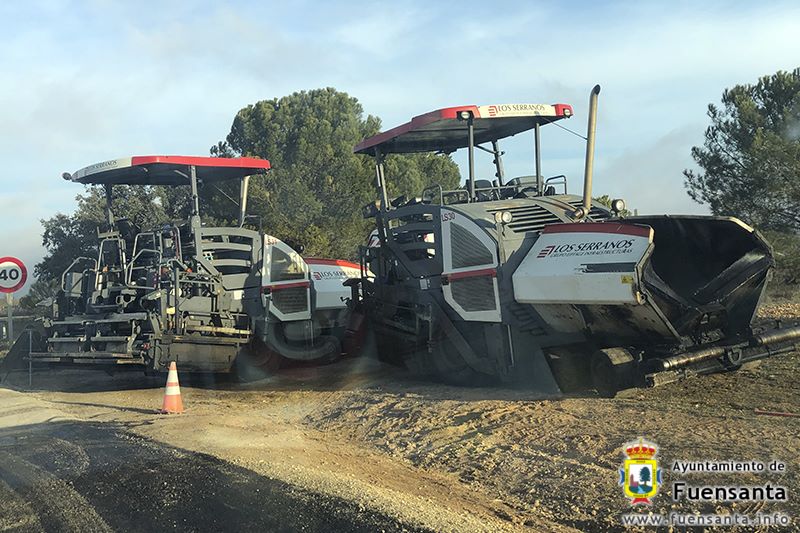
(397, 454)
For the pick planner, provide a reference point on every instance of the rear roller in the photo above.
(571, 368)
(613, 370)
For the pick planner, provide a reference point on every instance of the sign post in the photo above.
(13, 276)
(9, 316)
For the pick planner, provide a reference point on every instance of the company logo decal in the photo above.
(330, 274)
(547, 250)
(512, 109)
(105, 164)
(587, 248)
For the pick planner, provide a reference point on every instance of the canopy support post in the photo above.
(194, 221)
(380, 183)
(498, 163)
(471, 143)
(243, 186)
(538, 150)
(109, 212)
(380, 180)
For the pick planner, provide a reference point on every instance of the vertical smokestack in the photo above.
(587, 174)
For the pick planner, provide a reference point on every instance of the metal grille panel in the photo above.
(292, 300)
(474, 294)
(535, 217)
(530, 217)
(467, 249)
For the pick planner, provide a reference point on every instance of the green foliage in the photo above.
(750, 164)
(750, 160)
(313, 196)
(67, 237)
(39, 292)
(315, 191)
(644, 476)
(786, 247)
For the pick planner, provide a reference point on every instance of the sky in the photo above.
(88, 81)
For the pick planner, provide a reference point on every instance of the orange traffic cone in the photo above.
(172, 393)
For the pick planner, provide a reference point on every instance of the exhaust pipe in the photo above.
(583, 211)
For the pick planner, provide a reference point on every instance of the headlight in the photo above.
(503, 217)
(618, 205)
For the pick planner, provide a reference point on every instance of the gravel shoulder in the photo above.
(68, 474)
(447, 458)
(266, 428)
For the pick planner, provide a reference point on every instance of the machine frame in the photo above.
(449, 267)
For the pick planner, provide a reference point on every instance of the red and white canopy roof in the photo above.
(443, 130)
(167, 170)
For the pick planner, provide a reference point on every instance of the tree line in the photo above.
(749, 164)
(313, 195)
(748, 167)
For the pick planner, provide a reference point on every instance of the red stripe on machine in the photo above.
(331, 262)
(599, 227)
(201, 161)
(282, 286)
(471, 274)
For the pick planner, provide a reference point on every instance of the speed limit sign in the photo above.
(13, 274)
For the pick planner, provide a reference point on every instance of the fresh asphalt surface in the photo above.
(82, 476)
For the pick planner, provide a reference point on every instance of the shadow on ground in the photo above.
(79, 476)
(347, 374)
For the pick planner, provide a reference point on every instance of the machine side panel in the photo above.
(469, 277)
(584, 263)
(328, 277)
(286, 283)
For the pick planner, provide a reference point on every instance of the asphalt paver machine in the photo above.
(209, 298)
(512, 279)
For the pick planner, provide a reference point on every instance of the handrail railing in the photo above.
(497, 190)
(433, 188)
(131, 267)
(561, 179)
(69, 270)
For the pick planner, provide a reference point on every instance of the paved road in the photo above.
(81, 476)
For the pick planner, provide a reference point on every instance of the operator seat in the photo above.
(484, 196)
(127, 229)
